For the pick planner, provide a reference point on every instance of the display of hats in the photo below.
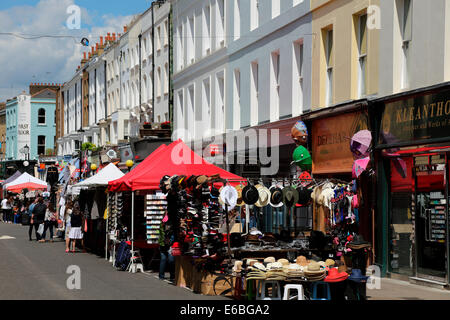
(290, 196)
(335, 276)
(215, 193)
(302, 261)
(229, 196)
(269, 260)
(274, 266)
(250, 195)
(313, 268)
(322, 264)
(264, 196)
(240, 202)
(357, 276)
(276, 197)
(302, 158)
(358, 243)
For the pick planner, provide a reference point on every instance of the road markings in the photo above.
(6, 238)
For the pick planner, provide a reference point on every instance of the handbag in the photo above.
(41, 229)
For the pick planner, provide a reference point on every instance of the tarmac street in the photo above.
(38, 271)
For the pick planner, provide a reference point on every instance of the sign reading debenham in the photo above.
(331, 142)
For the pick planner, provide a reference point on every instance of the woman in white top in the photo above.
(67, 223)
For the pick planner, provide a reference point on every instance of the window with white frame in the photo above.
(254, 92)
(158, 83)
(158, 39)
(41, 116)
(362, 55)
(41, 145)
(205, 113)
(206, 30)
(406, 41)
(237, 19)
(220, 102)
(191, 41)
(166, 33)
(237, 91)
(274, 85)
(220, 23)
(297, 81)
(180, 47)
(275, 8)
(297, 2)
(166, 78)
(254, 14)
(329, 66)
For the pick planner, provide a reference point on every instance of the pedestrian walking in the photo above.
(30, 214)
(16, 214)
(38, 217)
(76, 221)
(50, 221)
(6, 207)
(67, 215)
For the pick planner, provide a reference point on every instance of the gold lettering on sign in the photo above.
(411, 114)
(418, 115)
(432, 109)
(425, 111)
(440, 107)
(447, 108)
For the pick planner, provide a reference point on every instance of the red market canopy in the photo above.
(177, 159)
(124, 183)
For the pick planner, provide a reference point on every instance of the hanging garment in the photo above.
(95, 214)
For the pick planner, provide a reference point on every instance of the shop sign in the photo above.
(418, 118)
(331, 142)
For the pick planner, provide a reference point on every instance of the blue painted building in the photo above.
(30, 121)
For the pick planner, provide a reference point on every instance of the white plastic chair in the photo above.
(291, 287)
(263, 285)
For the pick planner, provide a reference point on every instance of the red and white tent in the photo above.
(26, 181)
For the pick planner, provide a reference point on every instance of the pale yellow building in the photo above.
(345, 57)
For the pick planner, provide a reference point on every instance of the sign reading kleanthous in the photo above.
(416, 119)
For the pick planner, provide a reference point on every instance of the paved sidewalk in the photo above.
(392, 289)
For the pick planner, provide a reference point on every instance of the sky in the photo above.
(53, 60)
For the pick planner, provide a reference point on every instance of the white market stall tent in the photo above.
(101, 179)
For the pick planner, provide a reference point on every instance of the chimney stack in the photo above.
(125, 28)
(114, 37)
(101, 41)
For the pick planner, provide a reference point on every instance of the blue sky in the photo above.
(50, 60)
(96, 8)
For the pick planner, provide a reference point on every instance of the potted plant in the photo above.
(165, 125)
(147, 125)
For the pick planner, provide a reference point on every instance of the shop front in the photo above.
(412, 151)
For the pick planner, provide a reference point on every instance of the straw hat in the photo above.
(264, 196)
(330, 263)
(237, 266)
(313, 269)
(269, 260)
(240, 202)
(284, 262)
(301, 260)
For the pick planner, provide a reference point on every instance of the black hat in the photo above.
(290, 196)
(276, 197)
(215, 193)
(250, 195)
(304, 196)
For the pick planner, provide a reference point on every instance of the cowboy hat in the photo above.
(313, 269)
(284, 262)
(250, 195)
(335, 276)
(229, 196)
(269, 260)
(357, 276)
(264, 196)
(290, 196)
(276, 197)
(330, 262)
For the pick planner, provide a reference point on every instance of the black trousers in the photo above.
(30, 230)
(36, 226)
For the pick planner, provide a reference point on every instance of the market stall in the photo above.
(93, 200)
(26, 181)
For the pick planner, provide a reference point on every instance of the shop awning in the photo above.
(101, 179)
(124, 183)
(12, 178)
(177, 159)
(26, 181)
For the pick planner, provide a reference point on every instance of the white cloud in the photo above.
(45, 59)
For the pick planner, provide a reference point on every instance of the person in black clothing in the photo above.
(76, 221)
(38, 216)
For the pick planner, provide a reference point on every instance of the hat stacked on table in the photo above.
(294, 271)
(314, 272)
(335, 276)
